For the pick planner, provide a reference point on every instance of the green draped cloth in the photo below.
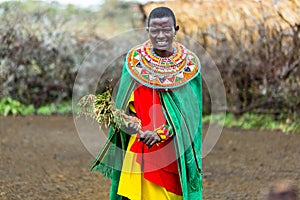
(183, 111)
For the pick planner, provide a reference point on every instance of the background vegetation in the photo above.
(42, 46)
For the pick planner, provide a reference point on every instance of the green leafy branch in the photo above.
(102, 110)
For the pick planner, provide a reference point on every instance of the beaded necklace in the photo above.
(155, 71)
(159, 64)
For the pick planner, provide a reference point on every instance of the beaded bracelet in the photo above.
(164, 132)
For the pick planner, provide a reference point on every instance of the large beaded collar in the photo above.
(157, 72)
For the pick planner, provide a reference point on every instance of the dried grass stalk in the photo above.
(102, 110)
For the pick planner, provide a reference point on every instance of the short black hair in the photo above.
(161, 12)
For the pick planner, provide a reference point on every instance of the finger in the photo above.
(157, 138)
(141, 136)
(151, 144)
(125, 116)
(140, 132)
(146, 140)
(150, 140)
(136, 127)
(133, 128)
(149, 137)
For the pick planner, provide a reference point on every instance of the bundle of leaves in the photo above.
(101, 109)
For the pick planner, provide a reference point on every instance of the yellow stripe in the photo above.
(134, 186)
(130, 103)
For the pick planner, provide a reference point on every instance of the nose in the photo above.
(160, 34)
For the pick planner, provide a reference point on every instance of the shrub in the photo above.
(9, 106)
(38, 57)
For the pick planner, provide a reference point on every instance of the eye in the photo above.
(167, 31)
(156, 31)
(153, 31)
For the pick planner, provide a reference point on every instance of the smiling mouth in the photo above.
(162, 43)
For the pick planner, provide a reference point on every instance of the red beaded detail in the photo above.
(162, 72)
(164, 132)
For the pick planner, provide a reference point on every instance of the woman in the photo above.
(158, 155)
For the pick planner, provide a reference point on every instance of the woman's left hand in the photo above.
(149, 138)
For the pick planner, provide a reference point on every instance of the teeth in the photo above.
(161, 43)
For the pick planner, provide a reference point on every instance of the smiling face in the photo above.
(161, 33)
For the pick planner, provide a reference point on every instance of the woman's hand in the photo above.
(133, 126)
(149, 138)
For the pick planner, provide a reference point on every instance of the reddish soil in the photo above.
(43, 158)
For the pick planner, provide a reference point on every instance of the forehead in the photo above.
(163, 22)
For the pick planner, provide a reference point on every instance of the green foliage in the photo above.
(9, 106)
(39, 55)
(45, 110)
(64, 107)
(43, 44)
(101, 109)
(255, 121)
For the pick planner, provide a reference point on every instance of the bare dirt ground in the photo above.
(43, 158)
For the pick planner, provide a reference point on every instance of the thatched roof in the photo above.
(193, 15)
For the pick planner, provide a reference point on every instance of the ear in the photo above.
(175, 31)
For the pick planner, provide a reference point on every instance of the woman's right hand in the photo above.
(133, 126)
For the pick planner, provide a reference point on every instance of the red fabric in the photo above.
(159, 162)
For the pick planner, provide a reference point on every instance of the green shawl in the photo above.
(186, 121)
